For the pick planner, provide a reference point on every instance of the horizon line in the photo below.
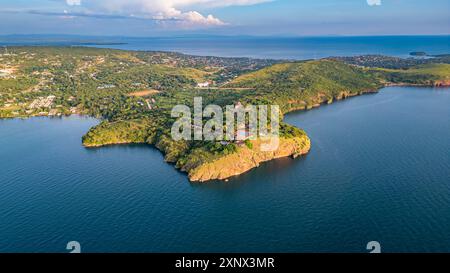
(227, 36)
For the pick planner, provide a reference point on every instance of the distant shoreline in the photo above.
(98, 43)
(257, 47)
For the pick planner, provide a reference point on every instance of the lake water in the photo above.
(379, 170)
(258, 47)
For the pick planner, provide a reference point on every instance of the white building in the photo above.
(203, 84)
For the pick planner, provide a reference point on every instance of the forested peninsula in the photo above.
(133, 93)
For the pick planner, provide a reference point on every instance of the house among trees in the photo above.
(203, 84)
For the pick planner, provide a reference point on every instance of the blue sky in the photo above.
(225, 17)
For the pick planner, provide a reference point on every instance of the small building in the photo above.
(106, 86)
(203, 84)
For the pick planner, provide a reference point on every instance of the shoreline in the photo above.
(446, 84)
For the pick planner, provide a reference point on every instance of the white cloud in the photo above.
(180, 11)
(194, 18)
(374, 2)
(73, 2)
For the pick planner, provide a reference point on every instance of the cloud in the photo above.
(73, 2)
(374, 2)
(165, 10)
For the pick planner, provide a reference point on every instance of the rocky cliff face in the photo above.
(246, 159)
(443, 83)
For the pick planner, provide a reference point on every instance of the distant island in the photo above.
(133, 92)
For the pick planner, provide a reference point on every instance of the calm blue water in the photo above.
(259, 47)
(379, 170)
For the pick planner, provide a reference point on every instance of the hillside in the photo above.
(437, 74)
(303, 85)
